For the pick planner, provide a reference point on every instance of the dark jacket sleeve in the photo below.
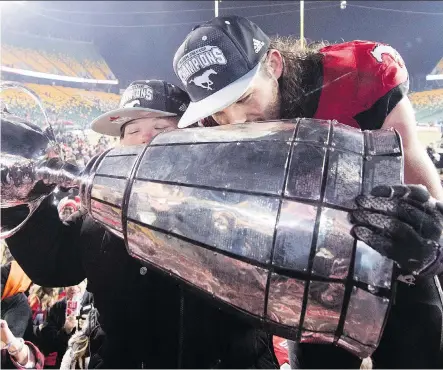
(16, 312)
(5, 270)
(53, 338)
(48, 250)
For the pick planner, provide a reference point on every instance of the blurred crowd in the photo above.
(431, 100)
(65, 106)
(78, 148)
(43, 327)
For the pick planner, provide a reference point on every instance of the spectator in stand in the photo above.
(41, 299)
(62, 321)
(66, 207)
(78, 353)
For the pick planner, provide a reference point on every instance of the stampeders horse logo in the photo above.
(203, 80)
(381, 49)
(197, 60)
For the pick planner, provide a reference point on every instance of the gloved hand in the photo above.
(403, 223)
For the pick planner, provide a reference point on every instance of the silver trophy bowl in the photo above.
(31, 163)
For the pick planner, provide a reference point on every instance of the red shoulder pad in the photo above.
(357, 74)
(380, 69)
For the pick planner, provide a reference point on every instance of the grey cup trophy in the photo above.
(255, 217)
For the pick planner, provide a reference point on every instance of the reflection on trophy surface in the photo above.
(31, 163)
(253, 214)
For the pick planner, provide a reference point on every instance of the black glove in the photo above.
(403, 223)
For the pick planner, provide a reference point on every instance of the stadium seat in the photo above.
(54, 56)
(64, 105)
(428, 105)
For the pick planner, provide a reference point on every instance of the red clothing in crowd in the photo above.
(9, 363)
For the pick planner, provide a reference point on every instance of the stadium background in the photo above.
(78, 56)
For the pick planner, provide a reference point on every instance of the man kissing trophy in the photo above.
(256, 217)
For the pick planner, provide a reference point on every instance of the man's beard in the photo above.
(273, 109)
(300, 88)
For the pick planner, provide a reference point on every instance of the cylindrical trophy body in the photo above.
(256, 216)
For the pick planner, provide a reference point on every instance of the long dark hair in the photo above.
(301, 78)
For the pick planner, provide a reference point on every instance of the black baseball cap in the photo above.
(217, 62)
(142, 99)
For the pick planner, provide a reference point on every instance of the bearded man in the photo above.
(234, 73)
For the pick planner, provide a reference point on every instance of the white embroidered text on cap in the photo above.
(198, 59)
(138, 92)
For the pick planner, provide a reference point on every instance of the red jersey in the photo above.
(362, 83)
